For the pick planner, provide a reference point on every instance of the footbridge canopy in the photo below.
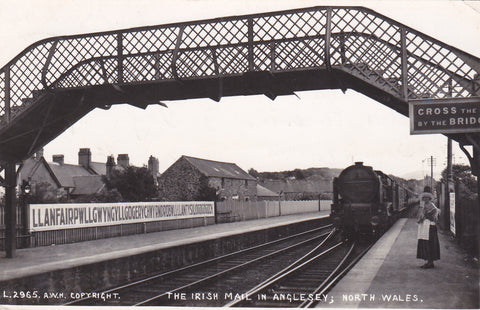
(56, 81)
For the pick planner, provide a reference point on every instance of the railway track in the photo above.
(206, 283)
(306, 282)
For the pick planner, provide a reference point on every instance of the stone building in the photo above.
(189, 176)
(264, 193)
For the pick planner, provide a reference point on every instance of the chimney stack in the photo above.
(123, 160)
(110, 165)
(153, 166)
(84, 158)
(39, 154)
(59, 158)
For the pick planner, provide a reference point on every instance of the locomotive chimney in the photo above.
(359, 163)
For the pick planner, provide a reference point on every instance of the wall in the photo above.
(180, 182)
(233, 187)
(39, 176)
(101, 275)
(45, 238)
(294, 207)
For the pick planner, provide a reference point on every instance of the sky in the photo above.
(313, 129)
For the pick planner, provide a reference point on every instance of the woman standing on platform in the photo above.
(428, 247)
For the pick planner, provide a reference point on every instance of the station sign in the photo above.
(445, 116)
(44, 217)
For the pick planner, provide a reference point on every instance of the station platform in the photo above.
(40, 260)
(389, 276)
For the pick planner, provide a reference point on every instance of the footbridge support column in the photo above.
(10, 209)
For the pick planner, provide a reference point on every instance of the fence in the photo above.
(467, 220)
(226, 211)
(22, 238)
(233, 211)
(463, 220)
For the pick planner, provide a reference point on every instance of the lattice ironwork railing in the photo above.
(395, 58)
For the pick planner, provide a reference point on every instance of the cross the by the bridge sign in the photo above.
(444, 115)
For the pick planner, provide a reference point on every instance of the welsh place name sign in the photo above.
(445, 116)
(64, 216)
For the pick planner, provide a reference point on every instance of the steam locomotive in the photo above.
(367, 201)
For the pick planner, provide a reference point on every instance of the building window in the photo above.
(223, 182)
(247, 198)
(235, 197)
(246, 184)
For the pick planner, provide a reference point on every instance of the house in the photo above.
(69, 180)
(292, 189)
(189, 178)
(264, 193)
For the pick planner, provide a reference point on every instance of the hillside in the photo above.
(298, 174)
(299, 184)
(311, 183)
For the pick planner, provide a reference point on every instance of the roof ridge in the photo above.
(215, 161)
(218, 168)
(58, 164)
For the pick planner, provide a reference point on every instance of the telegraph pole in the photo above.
(432, 162)
(449, 162)
(450, 186)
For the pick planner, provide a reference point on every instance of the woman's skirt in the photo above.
(429, 249)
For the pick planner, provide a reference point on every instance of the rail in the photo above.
(391, 56)
(202, 272)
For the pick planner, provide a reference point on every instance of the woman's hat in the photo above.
(426, 195)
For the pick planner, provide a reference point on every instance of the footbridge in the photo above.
(56, 81)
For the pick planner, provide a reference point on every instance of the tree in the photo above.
(298, 174)
(107, 195)
(205, 192)
(133, 183)
(254, 173)
(463, 174)
(44, 192)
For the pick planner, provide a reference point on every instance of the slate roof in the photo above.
(265, 192)
(87, 185)
(99, 168)
(218, 169)
(298, 186)
(65, 173)
(29, 166)
(83, 181)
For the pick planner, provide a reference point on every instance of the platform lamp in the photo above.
(26, 189)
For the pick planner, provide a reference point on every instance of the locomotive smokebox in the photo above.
(358, 184)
